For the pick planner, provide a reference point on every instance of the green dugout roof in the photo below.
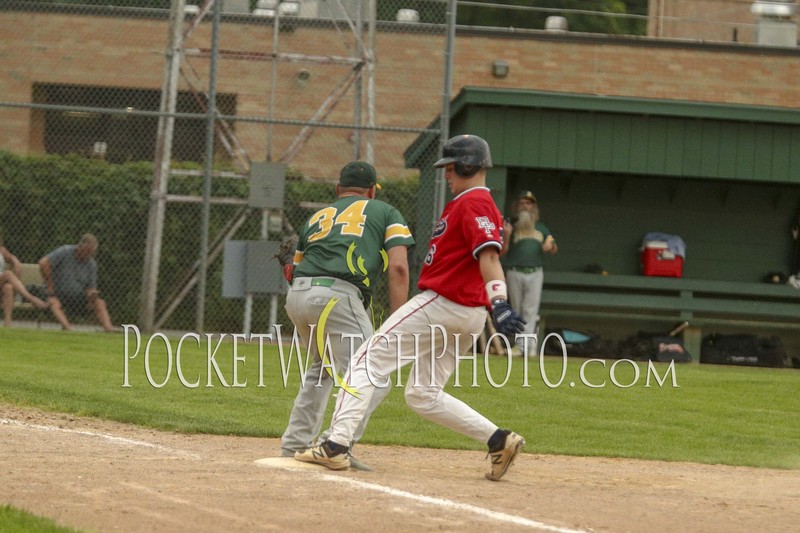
(669, 138)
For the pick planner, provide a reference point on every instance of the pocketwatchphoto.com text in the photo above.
(220, 360)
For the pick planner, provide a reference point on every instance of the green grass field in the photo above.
(13, 520)
(715, 414)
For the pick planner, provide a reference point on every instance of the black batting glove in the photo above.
(505, 319)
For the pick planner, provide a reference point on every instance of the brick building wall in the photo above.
(706, 20)
(109, 51)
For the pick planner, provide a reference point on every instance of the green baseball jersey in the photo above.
(527, 252)
(348, 240)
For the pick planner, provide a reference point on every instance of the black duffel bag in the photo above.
(646, 346)
(743, 349)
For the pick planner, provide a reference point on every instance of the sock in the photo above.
(334, 449)
(498, 440)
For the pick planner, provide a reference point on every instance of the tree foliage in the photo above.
(47, 201)
(492, 13)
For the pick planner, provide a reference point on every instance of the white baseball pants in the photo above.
(427, 331)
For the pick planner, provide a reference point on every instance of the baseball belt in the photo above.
(526, 270)
(330, 282)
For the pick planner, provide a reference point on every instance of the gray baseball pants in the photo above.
(346, 326)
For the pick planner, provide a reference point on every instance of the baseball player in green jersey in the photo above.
(341, 251)
(525, 243)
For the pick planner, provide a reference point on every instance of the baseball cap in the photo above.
(526, 195)
(358, 174)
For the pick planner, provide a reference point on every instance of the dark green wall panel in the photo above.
(763, 152)
(794, 153)
(639, 138)
(728, 138)
(692, 147)
(725, 178)
(656, 150)
(745, 151)
(513, 148)
(709, 162)
(549, 139)
(603, 145)
(567, 148)
(733, 231)
(621, 143)
(675, 130)
(585, 141)
(639, 144)
(781, 153)
(532, 131)
(495, 124)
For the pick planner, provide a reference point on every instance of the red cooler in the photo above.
(658, 260)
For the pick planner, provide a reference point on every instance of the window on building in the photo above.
(118, 137)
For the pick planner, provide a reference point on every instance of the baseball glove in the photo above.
(285, 256)
(285, 253)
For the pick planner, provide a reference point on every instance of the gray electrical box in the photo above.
(263, 272)
(250, 267)
(267, 184)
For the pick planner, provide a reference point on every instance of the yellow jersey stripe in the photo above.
(396, 230)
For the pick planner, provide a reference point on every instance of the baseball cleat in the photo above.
(503, 458)
(327, 454)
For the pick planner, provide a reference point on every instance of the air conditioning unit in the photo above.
(774, 23)
(258, 12)
(556, 24)
(237, 7)
(407, 15)
(774, 8)
(332, 9)
(776, 33)
(287, 8)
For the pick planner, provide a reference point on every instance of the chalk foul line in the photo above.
(449, 504)
(428, 500)
(111, 438)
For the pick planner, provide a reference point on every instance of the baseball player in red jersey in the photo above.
(460, 279)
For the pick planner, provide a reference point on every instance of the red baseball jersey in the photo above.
(470, 222)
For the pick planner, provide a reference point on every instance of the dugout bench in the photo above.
(702, 303)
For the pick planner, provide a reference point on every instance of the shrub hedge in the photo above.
(47, 201)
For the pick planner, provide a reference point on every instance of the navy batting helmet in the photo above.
(470, 153)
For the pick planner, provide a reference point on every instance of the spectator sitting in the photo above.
(10, 282)
(70, 275)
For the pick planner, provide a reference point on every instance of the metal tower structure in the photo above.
(362, 65)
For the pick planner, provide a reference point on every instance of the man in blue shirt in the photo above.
(70, 275)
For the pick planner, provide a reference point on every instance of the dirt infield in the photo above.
(104, 476)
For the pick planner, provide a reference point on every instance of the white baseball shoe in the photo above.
(328, 454)
(503, 458)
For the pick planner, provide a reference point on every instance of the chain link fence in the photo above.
(105, 121)
(104, 128)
